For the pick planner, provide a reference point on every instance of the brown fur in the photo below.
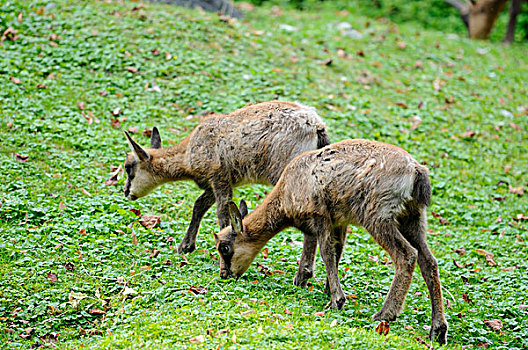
(372, 184)
(250, 145)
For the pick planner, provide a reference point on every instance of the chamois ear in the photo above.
(155, 139)
(136, 149)
(243, 208)
(235, 218)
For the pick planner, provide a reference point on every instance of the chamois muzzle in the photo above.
(225, 273)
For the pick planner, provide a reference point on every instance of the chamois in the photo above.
(250, 145)
(361, 182)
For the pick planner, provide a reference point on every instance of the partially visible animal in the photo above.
(368, 183)
(250, 145)
(480, 16)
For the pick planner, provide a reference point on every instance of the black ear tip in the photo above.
(243, 202)
(155, 129)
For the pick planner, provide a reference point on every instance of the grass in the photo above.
(78, 270)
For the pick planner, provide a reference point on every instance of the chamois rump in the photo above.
(250, 145)
(361, 182)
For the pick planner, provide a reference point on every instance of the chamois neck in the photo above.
(170, 162)
(266, 220)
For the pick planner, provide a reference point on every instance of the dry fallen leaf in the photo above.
(21, 158)
(15, 80)
(519, 191)
(288, 312)
(85, 192)
(96, 312)
(467, 299)
(52, 277)
(197, 340)
(131, 69)
(150, 221)
(496, 325)
(9, 34)
(468, 134)
(383, 328)
(319, 313)
(198, 290)
(265, 252)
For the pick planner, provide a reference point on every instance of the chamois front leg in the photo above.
(223, 194)
(201, 206)
(326, 239)
(306, 264)
(404, 256)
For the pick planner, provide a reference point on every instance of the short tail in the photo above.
(422, 187)
(322, 138)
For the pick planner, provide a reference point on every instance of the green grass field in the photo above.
(77, 269)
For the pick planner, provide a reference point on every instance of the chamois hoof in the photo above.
(337, 303)
(438, 333)
(301, 279)
(383, 315)
(186, 248)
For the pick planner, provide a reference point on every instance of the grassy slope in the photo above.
(222, 66)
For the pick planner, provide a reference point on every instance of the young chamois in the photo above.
(368, 183)
(250, 145)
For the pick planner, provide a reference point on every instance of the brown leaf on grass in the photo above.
(133, 130)
(288, 312)
(460, 266)
(483, 252)
(496, 325)
(85, 192)
(150, 221)
(519, 191)
(134, 238)
(116, 175)
(383, 328)
(197, 340)
(115, 123)
(21, 158)
(9, 34)
(96, 312)
(402, 105)
(52, 277)
(265, 252)
(82, 232)
(319, 314)
(460, 251)
(418, 64)
(441, 220)
(248, 312)
(515, 126)
(131, 69)
(81, 105)
(147, 132)
(15, 80)
(137, 212)
(438, 83)
(520, 217)
(467, 299)
(468, 134)
(401, 45)
(145, 268)
(155, 253)
(373, 258)
(42, 86)
(196, 290)
(69, 266)
(221, 331)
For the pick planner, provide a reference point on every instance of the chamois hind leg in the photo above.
(404, 256)
(306, 264)
(327, 238)
(340, 235)
(223, 194)
(413, 228)
(201, 206)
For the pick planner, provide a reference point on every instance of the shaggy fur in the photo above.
(250, 145)
(372, 184)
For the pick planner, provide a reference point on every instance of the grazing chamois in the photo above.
(361, 182)
(250, 145)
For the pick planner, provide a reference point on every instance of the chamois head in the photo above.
(232, 244)
(140, 178)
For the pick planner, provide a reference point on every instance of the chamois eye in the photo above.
(225, 249)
